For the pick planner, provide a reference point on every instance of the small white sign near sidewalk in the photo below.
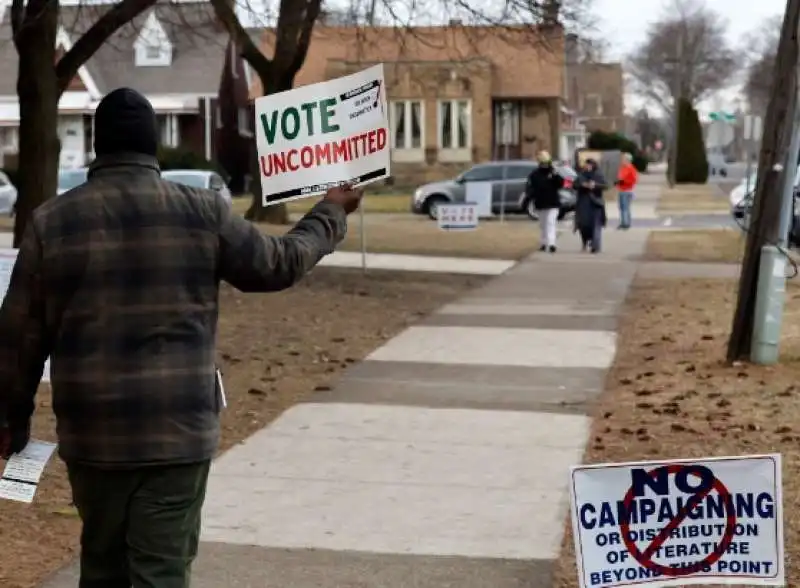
(319, 136)
(457, 217)
(679, 522)
(8, 257)
(480, 193)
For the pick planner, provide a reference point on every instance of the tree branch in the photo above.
(86, 46)
(17, 14)
(249, 51)
(302, 37)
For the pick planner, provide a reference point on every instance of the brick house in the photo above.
(594, 91)
(449, 87)
(175, 54)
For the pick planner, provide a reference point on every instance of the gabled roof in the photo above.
(198, 53)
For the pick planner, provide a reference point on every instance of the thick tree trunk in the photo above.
(764, 225)
(276, 214)
(37, 88)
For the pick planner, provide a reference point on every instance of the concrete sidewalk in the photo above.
(441, 460)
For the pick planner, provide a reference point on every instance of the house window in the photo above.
(8, 138)
(593, 105)
(455, 124)
(406, 124)
(218, 117)
(152, 52)
(243, 119)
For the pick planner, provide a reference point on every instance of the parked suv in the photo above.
(508, 179)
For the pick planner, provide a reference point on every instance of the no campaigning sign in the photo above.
(679, 522)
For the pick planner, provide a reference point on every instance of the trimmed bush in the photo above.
(692, 163)
(603, 141)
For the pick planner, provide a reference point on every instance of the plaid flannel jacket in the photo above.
(118, 281)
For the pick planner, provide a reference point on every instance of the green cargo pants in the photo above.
(141, 527)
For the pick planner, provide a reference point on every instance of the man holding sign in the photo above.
(118, 281)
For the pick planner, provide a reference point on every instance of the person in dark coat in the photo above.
(543, 186)
(119, 283)
(590, 208)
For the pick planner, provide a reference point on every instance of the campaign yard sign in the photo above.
(679, 522)
(457, 217)
(316, 137)
(8, 257)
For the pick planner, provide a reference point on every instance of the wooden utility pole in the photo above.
(764, 227)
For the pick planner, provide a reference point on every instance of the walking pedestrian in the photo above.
(590, 208)
(118, 282)
(626, 183)
(543, 187)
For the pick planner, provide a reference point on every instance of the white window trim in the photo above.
(448, 154)
(152, 35)
(595, 100)
(63, 41)
(243, 121)
(407, 152)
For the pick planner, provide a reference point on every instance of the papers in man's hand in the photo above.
(24, 470)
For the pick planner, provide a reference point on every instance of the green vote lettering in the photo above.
(326, 112)
(308, 108)
(290, 123)
(290, 114)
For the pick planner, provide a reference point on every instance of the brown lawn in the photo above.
(707, 246)
(275, 350)
(669, 394)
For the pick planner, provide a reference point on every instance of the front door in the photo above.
(506, 120)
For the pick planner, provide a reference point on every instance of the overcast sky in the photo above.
(625, 28)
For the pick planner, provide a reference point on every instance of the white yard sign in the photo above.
(680, 522)
(315, 137)
(480, 194)
(23, 471)
(8, 258)
(457, 217)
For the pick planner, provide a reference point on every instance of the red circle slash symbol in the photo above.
(645, 558)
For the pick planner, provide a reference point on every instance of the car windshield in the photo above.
(69, 179)
(191, 180)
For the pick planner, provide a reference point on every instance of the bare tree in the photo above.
(296, 19)
(762, 49)
(41, 80)
(685, 55)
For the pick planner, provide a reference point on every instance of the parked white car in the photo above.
(8, 196)
(194, 178)
(71, 178)
(741, 197)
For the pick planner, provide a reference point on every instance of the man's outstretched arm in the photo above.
(254, 262)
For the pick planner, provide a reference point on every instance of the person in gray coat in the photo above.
(590, 208)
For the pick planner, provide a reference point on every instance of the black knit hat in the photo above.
(125, 122)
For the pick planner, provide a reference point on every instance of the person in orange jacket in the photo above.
(626, 182)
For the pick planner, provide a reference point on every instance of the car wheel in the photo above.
(432, 205)
(530, 210)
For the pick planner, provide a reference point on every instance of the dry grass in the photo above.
(306, 338)
(669, 394)
(693, 198)
(418, 235)
(373, 203)
(707, 246)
